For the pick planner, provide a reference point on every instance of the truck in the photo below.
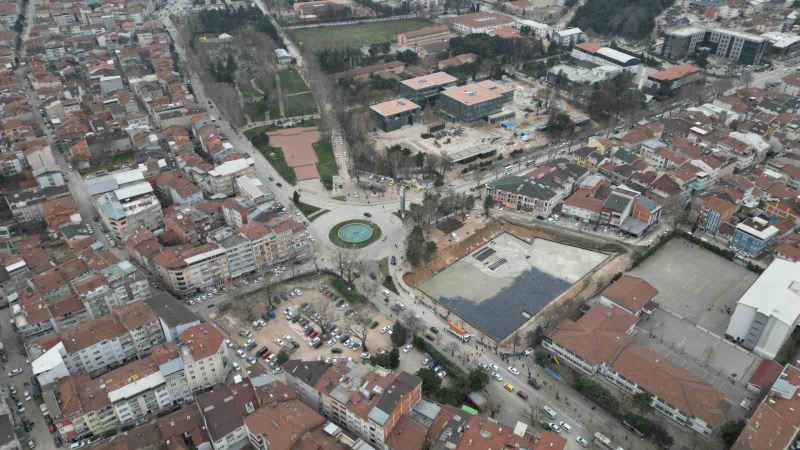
(458, 331)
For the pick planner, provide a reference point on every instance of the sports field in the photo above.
(355, 35)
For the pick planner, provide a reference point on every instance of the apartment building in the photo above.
(709, 211)
(238, 250)
(98, 345)
(221, 180)
(599, 343)
(285, 423)
(224, 409)
(753, 236)
(775, 423)
(126, 209)
(206, 358)
(82, 409)
(186, 269)
(368, 401)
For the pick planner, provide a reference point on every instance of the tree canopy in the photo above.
(628, 18)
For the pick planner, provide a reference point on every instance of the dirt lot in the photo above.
(238, 318)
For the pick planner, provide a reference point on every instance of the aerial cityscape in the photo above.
(399, 224)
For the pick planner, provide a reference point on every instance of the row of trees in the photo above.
(224, 73)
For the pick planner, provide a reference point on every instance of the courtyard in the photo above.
(696, 284)
(499, 286)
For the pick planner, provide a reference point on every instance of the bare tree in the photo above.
(413, 322)
(516, 340)
(328, 314)
(359, 327)
(345, 264)
(493, 406)
(534, 411)
(451, 347)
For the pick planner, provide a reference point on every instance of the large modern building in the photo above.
(736, 46)
(427, 87)
(768, 312)
(475, 101)
(395, 114)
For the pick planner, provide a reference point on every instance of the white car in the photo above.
(582, 441)
(407, 348)
(278, 341)
(330, 343)
(441, 374)
(27, 396)
(236, 366)
(287, 338)
(497, 376)
(565, 426)
(14, 372)
(365, 355)
(385, 329)
(513, 370)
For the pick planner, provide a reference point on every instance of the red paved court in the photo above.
(297, 150)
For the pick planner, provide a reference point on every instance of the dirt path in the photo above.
(280, 95)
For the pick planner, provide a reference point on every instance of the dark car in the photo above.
(534, 383)
(336, 350)
(366, 214)
(295, 319)
(57, 442)
(373, 324)
(278, 184)
(434, 330)
(284, 297)
(344, 338)
(394, 261)
(295, 344)
(373, 276)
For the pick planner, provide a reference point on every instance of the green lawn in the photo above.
(300, 105)
(354, 35)
(305, 208)
(272, 154)
(351, 296)
(326, 162)
(291, 81)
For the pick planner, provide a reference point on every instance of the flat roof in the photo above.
(433, 79)
(616, 55)
(133, 190)
(776, 293)
(474, 93)
(396, 106)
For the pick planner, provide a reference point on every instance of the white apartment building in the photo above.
(189, 271)
(206, 359)
(221, 180)
(126, 209)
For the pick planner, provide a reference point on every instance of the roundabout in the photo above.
(355, 233)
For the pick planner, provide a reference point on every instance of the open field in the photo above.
(291, 81)
(354, 35)
(680, 271)
(499, 286)
(299, 105)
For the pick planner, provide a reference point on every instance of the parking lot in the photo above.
(715, 360)
(695, 284)
(312, 307)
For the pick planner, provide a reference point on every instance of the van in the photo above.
(509, 387)
(549, 411)
(522, 395)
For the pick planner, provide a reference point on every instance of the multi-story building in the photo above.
(126, 209)
(599, 342)
(753, 236)
(238, 250)
(365, 400)
(98, 345)
(774, 424)
(710, 211)
(767, 314)
(424, 36)
(475, 101)
(283, 424)
(206, 358)
(221, 180)
(186, 270)
(421, 90)
(480, 22)
(83, 409)
(523, 194)
(224, 409)
(736, 46)
(602, 56)
(395, 114)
